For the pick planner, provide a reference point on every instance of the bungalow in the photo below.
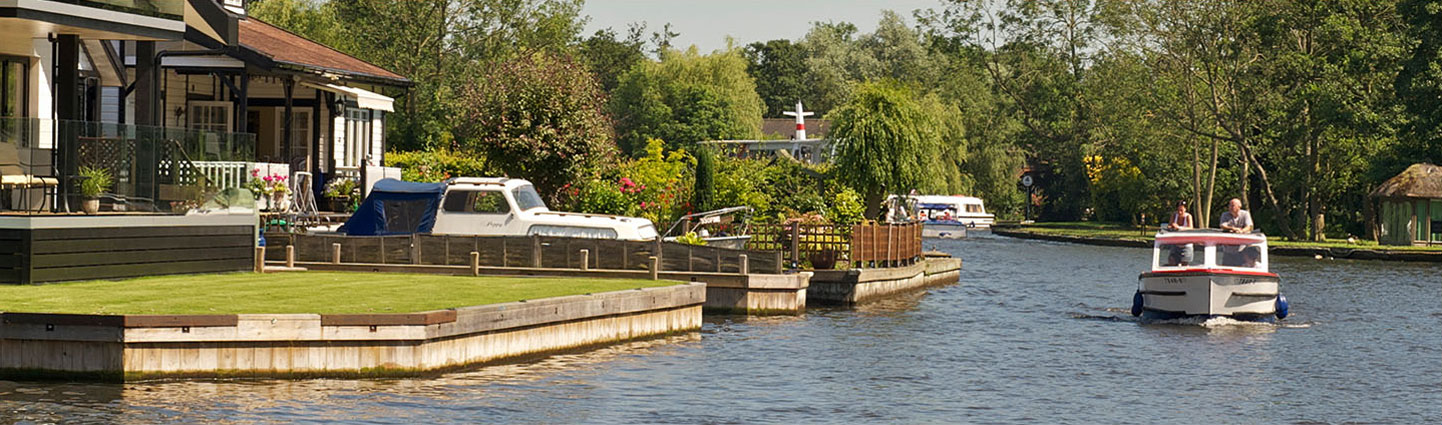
(1410, 207)
(311, 108)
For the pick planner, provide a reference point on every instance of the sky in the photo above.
(707, 23)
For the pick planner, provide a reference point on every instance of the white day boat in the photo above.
(1208, 273)
(724, 228)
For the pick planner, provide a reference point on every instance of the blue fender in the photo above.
(1282, 306)
(1137, 304)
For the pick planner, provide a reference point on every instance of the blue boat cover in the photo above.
(395, 207)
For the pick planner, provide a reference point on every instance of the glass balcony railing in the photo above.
(45, 162)
(167, 9)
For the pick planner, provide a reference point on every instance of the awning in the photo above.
(363, 98)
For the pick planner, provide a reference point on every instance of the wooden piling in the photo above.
(745, 264)
(335, 253)
(585, 259)
(655, 268)
(260, 259)
(290, 256)
(475, 263)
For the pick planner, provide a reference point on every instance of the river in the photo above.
(1036, 332)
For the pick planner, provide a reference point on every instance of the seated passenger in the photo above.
(1251, 255)
(1179, 255)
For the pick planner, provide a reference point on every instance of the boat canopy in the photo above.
(1208, 237)
(395, 207)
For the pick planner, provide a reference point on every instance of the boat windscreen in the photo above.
(527, 198)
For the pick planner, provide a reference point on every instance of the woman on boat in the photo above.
(1181, 220)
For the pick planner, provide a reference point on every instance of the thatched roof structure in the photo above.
(1422, 181)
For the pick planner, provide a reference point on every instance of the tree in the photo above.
(314, 21)
(703, 192)
(540, 117)
(779, 67)
(443, 45)
(610, 57)
(687, 97)
(886, 141)
(1419, 88)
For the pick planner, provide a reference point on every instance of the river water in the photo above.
(1036, 332)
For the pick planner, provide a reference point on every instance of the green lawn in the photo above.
(296, 292)
(1091, 229)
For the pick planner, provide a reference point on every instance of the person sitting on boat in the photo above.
(1250, 256)
(1236, 219)
(1181, 220)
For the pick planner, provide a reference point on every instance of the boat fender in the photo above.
(1281, 306)
(1137, 304)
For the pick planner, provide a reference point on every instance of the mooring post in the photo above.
(536, 251)
(475, 263)
(260, 259)
(745, 264)
(796, 243)
(655, 267)
(335, 253)
(585, 259)
(290, 256)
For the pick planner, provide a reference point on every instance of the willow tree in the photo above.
(886, 141)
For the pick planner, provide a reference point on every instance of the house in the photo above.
(1410, 207)
(311, 108)
(169, 99)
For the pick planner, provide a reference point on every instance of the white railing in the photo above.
(224, 174)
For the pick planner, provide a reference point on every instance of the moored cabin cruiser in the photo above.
(480, 207)
(1209, 273)
(950, 216)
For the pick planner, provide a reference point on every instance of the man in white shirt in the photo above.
(1236, 219)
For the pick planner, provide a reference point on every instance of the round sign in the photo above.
(1026, 180)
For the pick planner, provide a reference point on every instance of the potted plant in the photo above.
(93, 182)
(340, 193)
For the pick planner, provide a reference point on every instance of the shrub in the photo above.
(437, 165)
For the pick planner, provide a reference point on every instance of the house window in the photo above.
(357, 137)
(14, 87)
(210, 116)
(300, 130)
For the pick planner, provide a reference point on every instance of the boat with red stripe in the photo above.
(1209, 273)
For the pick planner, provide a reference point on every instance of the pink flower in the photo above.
(267, 178)
(643, 204)
(255, 172)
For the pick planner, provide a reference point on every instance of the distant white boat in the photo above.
(945, 216)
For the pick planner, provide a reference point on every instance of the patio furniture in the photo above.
(14, 176)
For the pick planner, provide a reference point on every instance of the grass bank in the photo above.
(1123, 231)
(300, 292)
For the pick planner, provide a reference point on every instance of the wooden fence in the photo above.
(828, 246)
(518, 251)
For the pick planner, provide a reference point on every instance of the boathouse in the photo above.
(1409, 207)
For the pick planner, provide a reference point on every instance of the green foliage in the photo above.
(538, 117)
(686, 97)
(846, 208)
(738, 183)
(1418, 86)
(886, 142)
(703, 192)
(691, 238)
(438, 165)
(609, 57)
(95, 181)
(779, 67)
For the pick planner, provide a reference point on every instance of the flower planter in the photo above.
(90, 206)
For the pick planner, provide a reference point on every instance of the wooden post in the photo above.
(536, 251)
(290, 256)
(475, 263)
(260, 259)
(718, 259)
(335, 253)
(655, 267)
(780, 263)
(796, 243)
(416, 250)
(585, 259)
(745, 264)
(690, 258)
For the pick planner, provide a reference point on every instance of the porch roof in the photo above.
(364, 98)
(286, 49)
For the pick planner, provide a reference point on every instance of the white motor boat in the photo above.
(950, 216)
(1209, 273)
